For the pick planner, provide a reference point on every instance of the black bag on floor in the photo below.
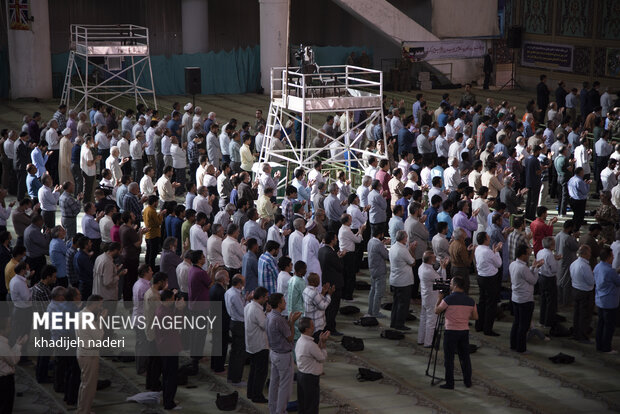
(349, 310)
(227, 402)
(560, 331)
(392, 334)
(367, 321)
(362, 285)
(562, 359)
(365, 374)
(353, 344)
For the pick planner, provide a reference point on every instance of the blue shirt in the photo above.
(91, 115)
(75, 154)
(405, 203)
(250, 271)
(33, 184)
(394, 225)
(90, 227)
(442, 119)
(174, 127)
(39, 159)
(431, 221)
(437, 171)
(405, 142)
(607, 286)
(83, 267)
(415, 110)
(577, 188)
(445, 218)
(58, 256)
(581, 275)
(268, 272)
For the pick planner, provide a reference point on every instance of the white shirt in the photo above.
(608, 179)
(105, 225)
(214, 250)
(165, 145)
(294, 246)
(147, 188)
(87, 155)
(102, 139)
(310, 357)
(615, 198)
(48, 198)
(9, 148)
(452, 178)
(550, 267)
(282, 285)
(182, 272)
(317, 176)
(347, 239)
(582, 158)
(51, 136)
(358, 217)
(371, 171)
(310, 254)
(232, 252)
(21, 295)
(123, 148)
(488, 262)
(455, 150)
(224, 143)
(150, 141)
(200, 174)
(198, 239)
(135, 149)
(111, 163)
(615, 248)
(401, 260)
(179, 157)
(255, 328)
(137, 128)
(201, 204)
(428, 275)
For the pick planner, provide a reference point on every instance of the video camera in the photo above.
(442, 285)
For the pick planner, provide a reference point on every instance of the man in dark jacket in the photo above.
(542, 96)
(332, 269)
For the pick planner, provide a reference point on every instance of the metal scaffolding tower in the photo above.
(297, 96)
(108, 62)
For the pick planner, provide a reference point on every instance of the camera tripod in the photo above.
(432, 358)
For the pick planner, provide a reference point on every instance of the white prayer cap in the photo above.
(66, 131)
(188, 106)
(310, 224)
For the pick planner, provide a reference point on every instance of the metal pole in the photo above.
(288, 25)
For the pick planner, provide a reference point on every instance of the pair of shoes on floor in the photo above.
(260, 400)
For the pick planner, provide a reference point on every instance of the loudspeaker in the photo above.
(193, 84)
(514, 37)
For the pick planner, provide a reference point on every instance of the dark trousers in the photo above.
(415, 290)
(142, 350)
(153, 368)
(532, 203)
(72, 379)
(238, 356)
(487, 303)
(332, 310)
(579, 212)
(218, 362)
(43, 361)
(152, 250)
(89, 184)
(548, 300)
(456, 342)
(521, 324)
(463, 273)
(259, 366)
(36, 264)
(605, 328)
(400, 306)
(308, 393)
(52, 165)
(563, 197)
(7, 393)
(180, 177)
(333, 225)
(49, 218)
(582, 313)
(487, 80)
(76, 171)
(169, 370)
(21, 184)
(105, 153)
(126, 168)
(193, 166)
(136, 169)
(350, 260)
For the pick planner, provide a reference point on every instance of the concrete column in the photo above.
(194, 22)
(30, 58)
(273, 17)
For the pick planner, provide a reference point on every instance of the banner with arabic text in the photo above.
(445, 49)
(547, 55)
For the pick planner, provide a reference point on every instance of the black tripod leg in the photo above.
(435, 349)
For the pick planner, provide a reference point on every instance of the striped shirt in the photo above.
(268, 272)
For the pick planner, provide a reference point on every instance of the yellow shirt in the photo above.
(247, 158)
(152, 221)
(265, 208)
(9, 272)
